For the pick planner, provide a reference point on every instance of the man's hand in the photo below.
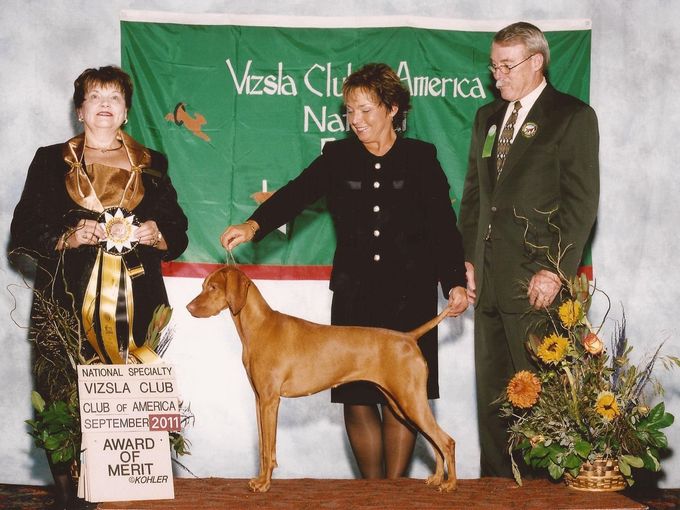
(471, 287)
(458, 301)
(543, 288)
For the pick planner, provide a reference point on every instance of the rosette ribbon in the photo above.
(108, 305)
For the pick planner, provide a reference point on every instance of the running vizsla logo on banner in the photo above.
(241, 104)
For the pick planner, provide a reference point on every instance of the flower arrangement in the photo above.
(583, 403)
(56, 334)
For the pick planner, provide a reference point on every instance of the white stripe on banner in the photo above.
(343, 22)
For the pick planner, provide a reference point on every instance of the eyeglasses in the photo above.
(505, 68)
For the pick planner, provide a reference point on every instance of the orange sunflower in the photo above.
(523, 389)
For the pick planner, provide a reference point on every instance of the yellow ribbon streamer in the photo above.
(109, 277)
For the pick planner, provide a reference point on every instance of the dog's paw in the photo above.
(259, 484)
(448, 485)
(435, 479)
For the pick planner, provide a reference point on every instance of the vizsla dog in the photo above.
(286, 356)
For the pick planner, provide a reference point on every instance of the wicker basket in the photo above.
(599, 475)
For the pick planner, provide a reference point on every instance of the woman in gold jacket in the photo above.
(99, 214)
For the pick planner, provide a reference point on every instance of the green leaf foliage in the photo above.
(572, 461)
(650, 461)
(632, 460)
(583, 449)
(624, 468)
(555, 470)
(37, 401)
(56, 428)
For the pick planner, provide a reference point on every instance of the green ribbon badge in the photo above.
(488, 143)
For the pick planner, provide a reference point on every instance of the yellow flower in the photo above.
(523, 389)
(606, 405)
(570, 313)
(553, 349)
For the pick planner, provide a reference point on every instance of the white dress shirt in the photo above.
(527, 103)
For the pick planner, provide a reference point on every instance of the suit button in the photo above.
(494, 208)
(376, 208)
(377, 166)
(376, 184)
(376, 233)
(376, 257)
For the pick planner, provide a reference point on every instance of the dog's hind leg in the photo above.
(443, 446)
(393, 405)
(418, 412)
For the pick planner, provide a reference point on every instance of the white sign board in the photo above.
(126, 466)
(126, 412)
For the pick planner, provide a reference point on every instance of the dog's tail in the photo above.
(421, 330)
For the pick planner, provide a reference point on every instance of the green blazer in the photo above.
(552, 166)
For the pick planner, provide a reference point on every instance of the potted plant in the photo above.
(584, 414)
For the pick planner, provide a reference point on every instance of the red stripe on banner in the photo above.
(266, 272)
(257, 272)
(586, 270)
(263, 272)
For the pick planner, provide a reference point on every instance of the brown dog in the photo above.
(286, 356)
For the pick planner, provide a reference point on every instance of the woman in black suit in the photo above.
(99, 214)
(396, 240)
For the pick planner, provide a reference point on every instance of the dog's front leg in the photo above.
(260, 443)
(267, 413)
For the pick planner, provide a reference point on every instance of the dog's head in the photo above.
(226, 287)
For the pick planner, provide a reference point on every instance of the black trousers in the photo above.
(499, 353)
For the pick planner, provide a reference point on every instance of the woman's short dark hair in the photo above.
(107, 75)
(381, 81)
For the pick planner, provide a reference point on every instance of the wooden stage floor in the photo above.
(486, 493)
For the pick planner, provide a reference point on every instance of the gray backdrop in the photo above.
(44, 45)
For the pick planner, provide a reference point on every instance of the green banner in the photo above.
(242, 108)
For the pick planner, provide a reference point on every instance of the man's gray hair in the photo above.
(527, 34)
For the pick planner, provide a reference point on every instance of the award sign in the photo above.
(126, 412)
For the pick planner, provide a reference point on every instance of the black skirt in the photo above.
(393, 310)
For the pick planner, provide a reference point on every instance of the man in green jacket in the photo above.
(531, 191)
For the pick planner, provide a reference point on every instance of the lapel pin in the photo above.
(529, 129)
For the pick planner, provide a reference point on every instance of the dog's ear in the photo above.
(236, 290)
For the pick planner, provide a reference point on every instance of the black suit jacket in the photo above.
(393, 218)
(552, 166)
(46, 211)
